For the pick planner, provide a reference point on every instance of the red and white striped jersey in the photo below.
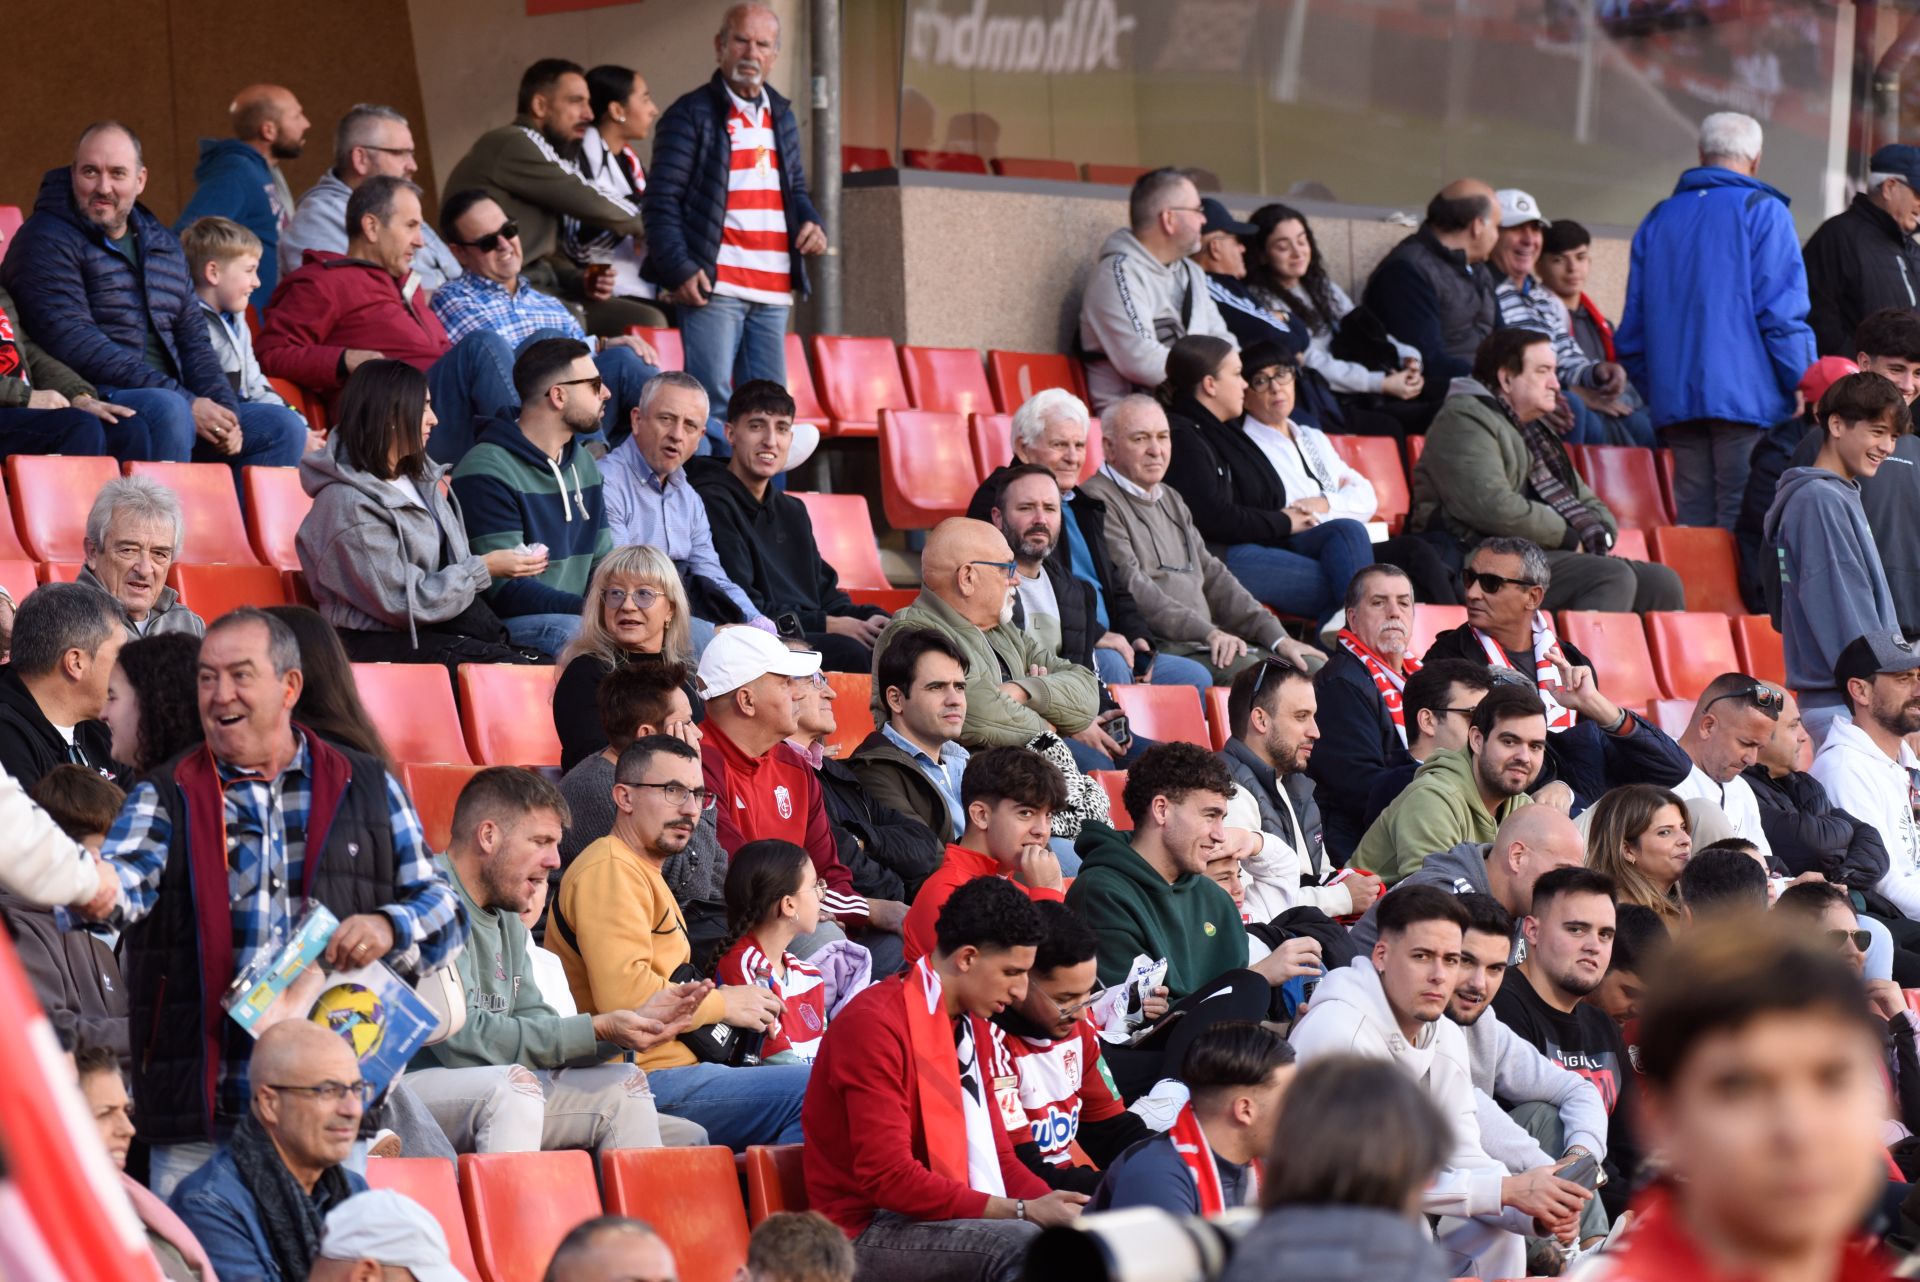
(755, 241)
(1061, 1083)
(799, 1030)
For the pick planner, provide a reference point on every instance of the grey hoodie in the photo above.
(1462, 870)
(1131, 314)
(1832, 586)
(1337, 1244)
(233, 344)
(373, 556)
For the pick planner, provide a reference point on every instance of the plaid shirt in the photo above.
(471, 303)
(266, 832)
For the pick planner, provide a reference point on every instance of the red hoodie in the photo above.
(1657, 1248)
(333, 303)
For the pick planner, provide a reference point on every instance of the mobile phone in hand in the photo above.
(1585, 1171)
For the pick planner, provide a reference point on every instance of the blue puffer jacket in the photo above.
(82, 303)
(686, 200)
(1716, 318)
(234, 182)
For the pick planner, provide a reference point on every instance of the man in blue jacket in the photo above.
(1715, 330)
(104, 288)
(240, 177)
(728, 216)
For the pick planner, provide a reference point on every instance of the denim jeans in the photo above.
(270, 435)
(1711, 459)
(68, 431)
(1309, 576)
(727, 342)
(738, 1106)
(1168, 670)
(1591, 427)
(547, 633)
(896, 1249)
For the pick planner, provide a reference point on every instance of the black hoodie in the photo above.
(30, 746)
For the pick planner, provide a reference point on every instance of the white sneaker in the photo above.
(1160, 1107)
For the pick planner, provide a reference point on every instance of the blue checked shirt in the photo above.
(266, 836)
(666, 513)
(470, 303)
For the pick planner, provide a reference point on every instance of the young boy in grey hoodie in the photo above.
(224, 258)
(1831, 586)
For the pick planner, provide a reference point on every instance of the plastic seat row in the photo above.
(932, 461)
(855, 160)
(505, 1214)
(504, 716)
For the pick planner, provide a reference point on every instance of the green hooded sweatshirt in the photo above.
(1440, 809)
(1191, 924)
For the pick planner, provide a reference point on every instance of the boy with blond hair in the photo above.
(224, 258)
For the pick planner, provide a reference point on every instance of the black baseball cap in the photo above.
(1218, 219)
(1873, 654)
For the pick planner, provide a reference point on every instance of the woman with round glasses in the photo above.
(636, 612)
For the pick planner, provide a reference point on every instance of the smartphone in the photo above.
(1585, 1171)
(1120, 732)
(1142, 664)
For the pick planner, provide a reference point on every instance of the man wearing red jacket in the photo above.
(905, 1116)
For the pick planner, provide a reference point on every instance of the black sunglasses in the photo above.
(1758, 695)
(595, 384)
(1491, 583)
(509, 230)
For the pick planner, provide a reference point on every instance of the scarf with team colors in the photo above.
(1545, 675)
(1391, 685)
(958, 1126)
(1190, 1145)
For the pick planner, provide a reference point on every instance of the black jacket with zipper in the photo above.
(1858, 262)
(1090, 515)
(30, 746)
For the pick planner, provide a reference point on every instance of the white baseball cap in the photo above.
(740, 655)
(1518, 208)
(393, 1229)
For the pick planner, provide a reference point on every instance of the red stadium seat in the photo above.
(412, 707)
(1762, 651)
(59, 571)
(1016, 376)
(992, 436)
(1096, 451)
(216, 532)
(859, 377)
(19, 576)
(1218, 727)
(673, 354)
(843, 531)
(10, 219)
(1378, 459)
(507, 710)
(854, 160)
(926, 467)
(1166, 714)
(1671, 715)
(1689, 650)
(948, 162)
(297, 590)
(50, 495)
(1115, 782)
(1616, 645)
(1018, 167)
(11, 547)
(435, 790)
(806, 401)
(1663, 463)
(852, 710)
(430, 1181)
(692, 1198)
(949, 379)
(1632, 545)
(1117, 175)
(1707, 562)
(1429, 621)
(776, 1180)
(519, 1206)
(213, 590)
(1627, 481)
(1416, 445)
(276, 504)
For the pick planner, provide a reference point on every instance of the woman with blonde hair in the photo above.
(636, 612)
(1642, 837)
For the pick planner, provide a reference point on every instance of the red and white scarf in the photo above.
(1391, 685)
(1545, 675)
(958, 1126)
(1190, 1145)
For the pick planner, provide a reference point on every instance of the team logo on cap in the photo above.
(783, 801)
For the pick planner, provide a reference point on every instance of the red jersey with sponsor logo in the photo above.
(754, 261)
(1061, 1084)
(777, 796)
(796, 1033)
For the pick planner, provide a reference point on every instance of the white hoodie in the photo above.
(1349, 1015)
(1505, 1064)
(1876, 789)
(1272, 878)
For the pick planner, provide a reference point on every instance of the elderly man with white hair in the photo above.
(134, 532)
(370, 141)
(1051, 429)
(1715, 331)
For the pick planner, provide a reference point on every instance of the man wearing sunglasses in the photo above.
(1867, 765)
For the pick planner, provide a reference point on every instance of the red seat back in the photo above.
(926, 467)
(213, 590)
(1117, 175)
(435, 790)
(1625, 478)
(992, 441)
(276, 504)
(859, 377)
(507, 710)
(855, 160)
(1218, 726)
(1378, 459)
(691, 1196)
(1689, 650)
(412, 707)
(431, 1182)
(1761, 649)
(1707, 562)
(950, 379)
(673, 354)
(1166, 714)
(1671, 715)
(1631, 544)
(1115, 782)
(806, 401)
(852, 710)
(519, 1206)
(19, 576)
(215, 531)
(776, 1180)
(1023, 167)
(51, 494)
(1016, 376)
(10, 219)
(1616, 645)
(951, 162)
(1429, 621)
(843, 531)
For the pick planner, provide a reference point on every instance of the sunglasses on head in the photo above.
(1491, 583)
(1758, 695)
(486, 244)
(1270, 667)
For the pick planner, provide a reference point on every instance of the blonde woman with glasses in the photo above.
(636, 612)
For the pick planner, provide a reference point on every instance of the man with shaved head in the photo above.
(1016, 687)
(613, 1248)
(258, 1206)
(240, 177)
(1435, 289)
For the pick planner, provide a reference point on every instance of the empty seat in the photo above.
(1625, 478)
(691, 1196)
(1378, 459)
(1616, 645)
(276, 504)
(1016, 376)
(1429, 621)
(213, 590)
(1118, 175)
(950, 379)
(776, 1180)
(673, 354)
(412, 707)
(1166, 714)
(1029, 167)
(430, 1181)
(950, 162)
(507, 710)
(1217, 724)
(1707, 562)
(992, 436)
(1689, 650)
(1631, 544)
(1761, 649)
(19, 576)
(926, 467)
(1671, 715)
(806, 401)
(435, 790)
(1115, 782)
(852, 710)
(854, 160)
(50, 495)
(843, 531)
(859, 377)
(519, 1206)
(215, 530)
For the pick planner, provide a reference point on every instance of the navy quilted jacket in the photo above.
(686, 199)
(83, 304)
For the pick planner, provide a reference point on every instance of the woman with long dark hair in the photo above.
(153, 701)
(329, 703)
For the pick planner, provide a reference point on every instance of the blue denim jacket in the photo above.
(219, 1208)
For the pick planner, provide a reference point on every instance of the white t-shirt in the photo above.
(1736, 801)
(1042, 606)
(1879, 790)
(551, 977)
(1308, 465)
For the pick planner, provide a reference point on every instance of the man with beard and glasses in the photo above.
(241, 177)
(531, 167)
(1569, 943)
(1867, 765)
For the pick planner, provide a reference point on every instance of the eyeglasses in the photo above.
(642, 598)
(678, 793)
(593, 382)
(509, 230)
(1073, 1010)
(1860, 939)
(818, 680)
(1758, 695)
(330, 1092)
(1009, 568)
(1279, 376)
(1458, 712)
(1186, 209)
(1491, 583)
(395, 151)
